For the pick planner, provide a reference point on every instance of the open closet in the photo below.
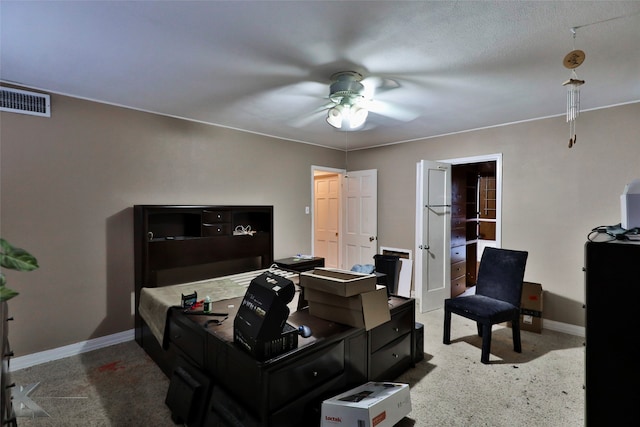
(473, 220)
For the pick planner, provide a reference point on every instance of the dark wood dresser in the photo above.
(284, 391)
(612, 368)
(391, 346)
(288, 390)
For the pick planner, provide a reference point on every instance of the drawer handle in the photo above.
(315, 373)
(396, 329)
(395, 356)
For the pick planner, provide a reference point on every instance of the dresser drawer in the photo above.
(458, 210)
(209, 230)
(458, 286)
(458, 221)
(306, 374)
(392, 359)
(214, 216)
(458, 237)
(458, 253)
(459, 269)
(187, 340)
(400, 324)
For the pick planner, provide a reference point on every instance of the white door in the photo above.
(360, 223)
(327, 218)
(433, 234)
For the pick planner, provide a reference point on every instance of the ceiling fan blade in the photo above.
(374, 85)
(309, 118)
(403, 114)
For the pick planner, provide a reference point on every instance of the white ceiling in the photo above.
(264, 66)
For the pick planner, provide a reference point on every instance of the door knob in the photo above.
(372, 238)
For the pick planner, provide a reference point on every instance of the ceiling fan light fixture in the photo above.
(345, 85)
(334, 117)
(357, 116)
(346, 92)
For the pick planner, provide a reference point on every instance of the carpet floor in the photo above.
(120, 386)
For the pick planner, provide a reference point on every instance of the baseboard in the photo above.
(563, 327)
(34, 359)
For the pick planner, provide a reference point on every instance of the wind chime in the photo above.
(572, 61)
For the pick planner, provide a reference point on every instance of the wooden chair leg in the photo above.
(446, 336)
(486, 343)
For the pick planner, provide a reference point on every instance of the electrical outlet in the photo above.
(306, 210)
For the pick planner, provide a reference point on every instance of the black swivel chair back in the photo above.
(497, 297)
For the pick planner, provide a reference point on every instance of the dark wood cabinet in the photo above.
(473, 218)
(458, 231)
(463, 229)
(8, 417)
(611, 364)
(391, 346)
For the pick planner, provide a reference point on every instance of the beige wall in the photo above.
(552, 195)
(68, 184)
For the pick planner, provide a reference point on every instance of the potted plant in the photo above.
(15, 259)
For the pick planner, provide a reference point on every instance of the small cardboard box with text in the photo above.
(374, 404)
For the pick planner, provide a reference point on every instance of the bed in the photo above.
(155, 303)
(182, 249)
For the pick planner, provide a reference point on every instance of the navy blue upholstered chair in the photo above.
(496, 300)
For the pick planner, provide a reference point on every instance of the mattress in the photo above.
(155, 302)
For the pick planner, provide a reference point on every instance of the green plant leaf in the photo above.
(6, 293)
(16, 258)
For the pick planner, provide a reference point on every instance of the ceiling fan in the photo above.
(351, 97)
(348, 94)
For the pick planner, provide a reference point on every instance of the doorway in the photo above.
(344, 216)
(473, 221)
(326, 218)
(474, 199)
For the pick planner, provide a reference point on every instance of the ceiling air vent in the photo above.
(23, 102)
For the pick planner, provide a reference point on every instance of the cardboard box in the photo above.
(338, 282)
(531, 307)
(366, 310)
(373, 404)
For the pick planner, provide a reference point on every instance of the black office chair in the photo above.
(496, 300)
